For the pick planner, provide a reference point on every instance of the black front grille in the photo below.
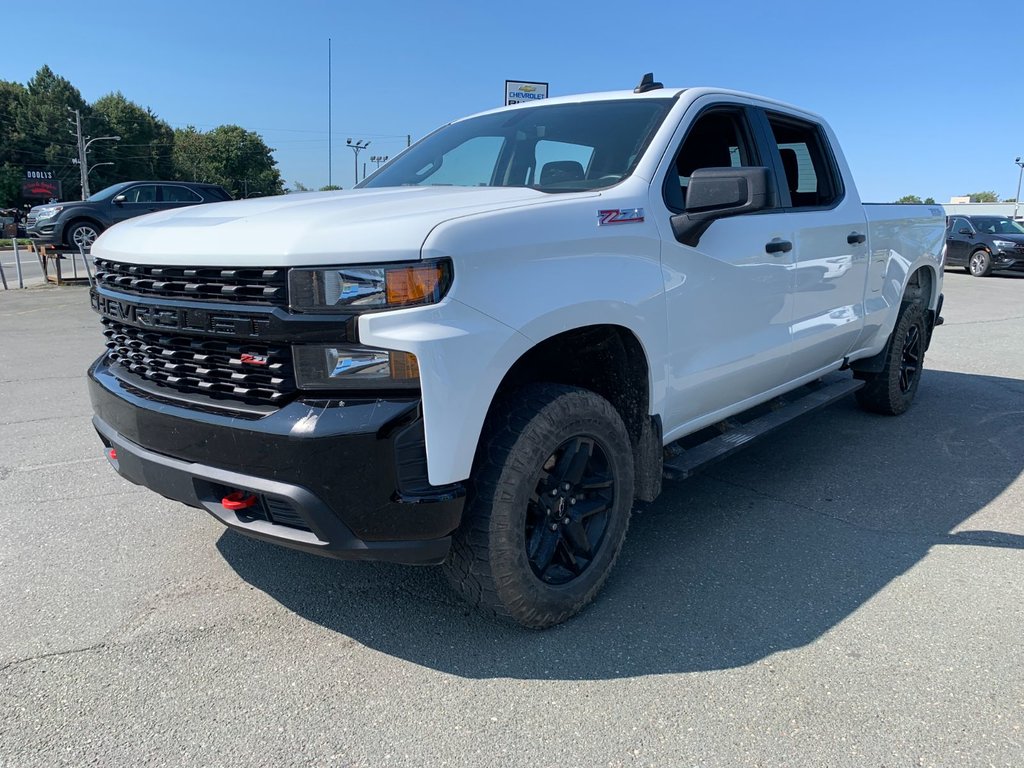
(233, 370)
(250, 285)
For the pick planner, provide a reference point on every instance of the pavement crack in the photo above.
(51, 655)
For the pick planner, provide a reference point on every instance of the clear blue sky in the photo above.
(926, 97)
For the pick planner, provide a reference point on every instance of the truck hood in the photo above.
(348, 227)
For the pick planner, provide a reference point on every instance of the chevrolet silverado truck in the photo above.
(484, 354)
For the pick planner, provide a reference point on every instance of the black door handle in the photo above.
(855, 238)
(778, 246)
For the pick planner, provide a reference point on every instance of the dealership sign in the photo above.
(518, 91)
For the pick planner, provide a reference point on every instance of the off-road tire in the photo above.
(490, 565)
(892, 390)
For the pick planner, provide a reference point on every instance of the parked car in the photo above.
(79, 222)
(983, 244)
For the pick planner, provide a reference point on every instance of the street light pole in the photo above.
(83, 150)
(1016, 200)
(358, 146)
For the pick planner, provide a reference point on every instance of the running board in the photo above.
(691, 454)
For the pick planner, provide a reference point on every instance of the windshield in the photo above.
(997, 225)
(551, 148)
(110, 191)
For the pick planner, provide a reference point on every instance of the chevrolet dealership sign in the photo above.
(517, 91)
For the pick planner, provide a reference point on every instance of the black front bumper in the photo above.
(342, 479)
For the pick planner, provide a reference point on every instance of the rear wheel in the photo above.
(83, 234)
(980, 264)
(548, 506)
(892, 390)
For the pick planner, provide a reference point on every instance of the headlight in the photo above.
(368, 288)
(1004, 245)
(340, 366)
(48, 213)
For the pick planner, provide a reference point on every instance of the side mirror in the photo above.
(965, 231)
(119, 199)
(716, 193)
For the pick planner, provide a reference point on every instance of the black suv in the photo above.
(79, 222)
(981, 244)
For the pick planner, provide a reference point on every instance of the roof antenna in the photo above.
(647, 84)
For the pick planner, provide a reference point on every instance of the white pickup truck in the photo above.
(485, 353)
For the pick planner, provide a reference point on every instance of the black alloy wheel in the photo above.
(891, 390)
(568, 511)
(910, 361)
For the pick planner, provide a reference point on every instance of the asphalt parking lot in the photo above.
(847, 592)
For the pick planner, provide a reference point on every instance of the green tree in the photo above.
(984, 197)
(145, 148)
(929, 201)
(45, 137)
(330, 188)
(909, 199)
(228, 155)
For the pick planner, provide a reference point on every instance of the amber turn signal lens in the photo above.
(413, 285)
(404, 366)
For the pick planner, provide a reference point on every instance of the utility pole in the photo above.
(1016, 200)
(82, 165)
(83, 143)
(330, 142)
(356, 148)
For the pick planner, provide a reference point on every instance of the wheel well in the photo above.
(610, 361)
(606, 359)
(920, 288)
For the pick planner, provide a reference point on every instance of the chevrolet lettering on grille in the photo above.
(179, 319)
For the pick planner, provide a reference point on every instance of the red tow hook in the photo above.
(112, 453)
(238, 500)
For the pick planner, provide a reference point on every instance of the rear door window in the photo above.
(809, 172)
(174, 193)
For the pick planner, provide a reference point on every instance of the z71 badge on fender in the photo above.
(620, 216)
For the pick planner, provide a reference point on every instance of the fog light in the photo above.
(336, 366)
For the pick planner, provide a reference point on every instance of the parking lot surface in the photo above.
(847, 592)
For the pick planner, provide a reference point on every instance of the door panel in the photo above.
(729, 315)
(830, 275)
(139, 199)
(830, 267)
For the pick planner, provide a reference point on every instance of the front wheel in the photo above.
(891, 390)
(980, 264)
(548, 506)
(83, 234)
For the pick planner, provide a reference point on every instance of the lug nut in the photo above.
(572, 500)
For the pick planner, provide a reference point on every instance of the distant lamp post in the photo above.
(356, 146)
(94, 166)
(1016, 200)
(378, 159)
(85, 168)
